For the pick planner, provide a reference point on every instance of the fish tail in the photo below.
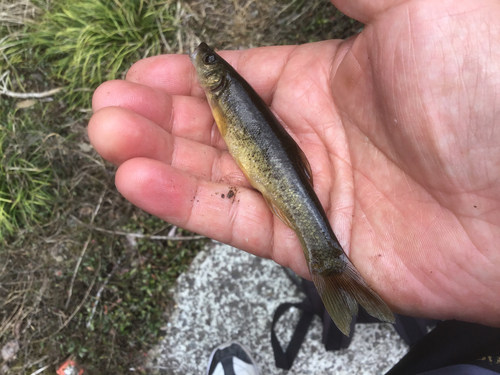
(342, 292)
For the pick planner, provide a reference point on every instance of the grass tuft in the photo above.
(83, 43)
(25, 174)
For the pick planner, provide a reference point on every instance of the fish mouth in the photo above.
(192, 55)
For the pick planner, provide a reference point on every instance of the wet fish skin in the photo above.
(276, 166)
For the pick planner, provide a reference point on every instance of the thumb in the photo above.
(365, 10)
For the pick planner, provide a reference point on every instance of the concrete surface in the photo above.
(230, 295)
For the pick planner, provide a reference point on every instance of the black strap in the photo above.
(284, 359)
(333, 338)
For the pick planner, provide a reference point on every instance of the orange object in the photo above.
(69, 367)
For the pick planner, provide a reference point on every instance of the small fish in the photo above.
(276, 166)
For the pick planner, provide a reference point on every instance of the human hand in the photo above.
(398, 124)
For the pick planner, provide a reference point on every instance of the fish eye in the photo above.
(210, 59)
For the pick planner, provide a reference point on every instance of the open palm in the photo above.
(400, 127)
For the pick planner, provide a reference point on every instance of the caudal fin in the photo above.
(341, 293)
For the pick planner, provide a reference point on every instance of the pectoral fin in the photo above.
(219, 117)
(277, 212)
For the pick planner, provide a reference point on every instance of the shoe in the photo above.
(231, 359)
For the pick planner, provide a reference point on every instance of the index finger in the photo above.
(175, 75)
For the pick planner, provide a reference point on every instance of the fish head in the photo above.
(210, 68)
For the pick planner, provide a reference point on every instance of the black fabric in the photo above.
(410, 329)
(450, 343)
(460, 370)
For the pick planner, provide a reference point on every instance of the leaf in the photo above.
(25, 104)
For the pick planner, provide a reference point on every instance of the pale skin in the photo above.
(401, 125)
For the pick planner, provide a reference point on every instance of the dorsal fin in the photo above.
(304, 164)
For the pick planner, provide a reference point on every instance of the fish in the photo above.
(276, 166)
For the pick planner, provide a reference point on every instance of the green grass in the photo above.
(83, 43)
(75, 45)
(25, 173)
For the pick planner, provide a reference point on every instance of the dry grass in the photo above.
(17, 12)
(240, 24)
